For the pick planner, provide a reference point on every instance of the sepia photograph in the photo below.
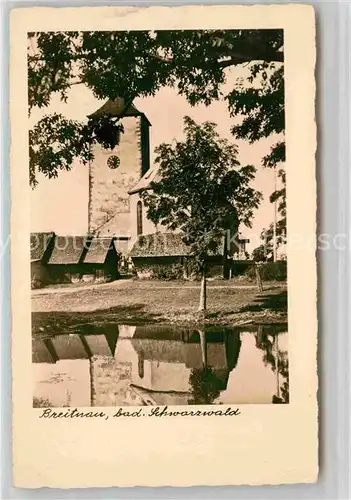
(158, 218)
(163, 246)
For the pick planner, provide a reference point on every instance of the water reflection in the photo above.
(161, 365)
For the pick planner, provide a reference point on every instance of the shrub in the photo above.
(41, 403)
(240, 267)
(270, 271)
(36, 283)
(161, 272)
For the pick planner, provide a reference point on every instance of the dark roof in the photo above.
(98, 250)
(40, 352)
(160, 350)
(39, 243)
(115, 107)
(165, 245)
(68, 249)
(165, 332)
(72, 346)
(101, 345)
(151, 175)
(159, 244)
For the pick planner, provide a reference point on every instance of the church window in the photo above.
(139, 218)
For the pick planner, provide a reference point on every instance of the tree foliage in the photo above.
(203, 190)
(205, 385)
(132, 64)
(278, 361)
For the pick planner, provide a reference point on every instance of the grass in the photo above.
(138, 302)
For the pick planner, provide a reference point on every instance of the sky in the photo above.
(61, 204)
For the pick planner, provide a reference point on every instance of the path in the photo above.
(125, 283)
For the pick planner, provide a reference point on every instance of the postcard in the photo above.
(163, 229)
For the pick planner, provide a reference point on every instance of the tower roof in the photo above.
(115, 107)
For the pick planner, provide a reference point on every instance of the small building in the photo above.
(65, 259)
(41, 245)
(76, 258)
(117, 215)
(154, 245)
(152, 252)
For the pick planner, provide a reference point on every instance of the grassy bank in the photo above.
(137, 302)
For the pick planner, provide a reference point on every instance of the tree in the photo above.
(261, 253)
(264, 252)
(206, 386)
(278, 360)
(203, 192)
(138, 63)
(267, 235)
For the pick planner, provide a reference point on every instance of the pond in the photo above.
(124, 365)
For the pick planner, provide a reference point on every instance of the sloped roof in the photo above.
(165, 245)
(152, 175)
(39, 243)
(68, 249)
(160, 350)
(167, 351)
(98, 250)
(115, 107)
(101, 345)
(69, 347)
(164, 332)
(40, 352)
(159, 245)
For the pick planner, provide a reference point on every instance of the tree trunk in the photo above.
(203, 348)
(258, 278)
(202, 305)
(185, 268)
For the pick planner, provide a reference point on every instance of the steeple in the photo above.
(109, 210)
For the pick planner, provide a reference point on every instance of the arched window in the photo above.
(139, 218)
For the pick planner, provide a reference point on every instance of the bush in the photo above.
(36, 283)
(41, 403)
(161, 272)
(270, 271)
(240, 267)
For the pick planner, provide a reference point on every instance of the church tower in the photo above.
(109, 201)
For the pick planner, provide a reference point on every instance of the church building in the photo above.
(115, 206)
(118, 228)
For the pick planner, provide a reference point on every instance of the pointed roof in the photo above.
(152, 175)
(164, 244)
(159, 245)
(98, 250)
(68, 249)
(115, 107)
